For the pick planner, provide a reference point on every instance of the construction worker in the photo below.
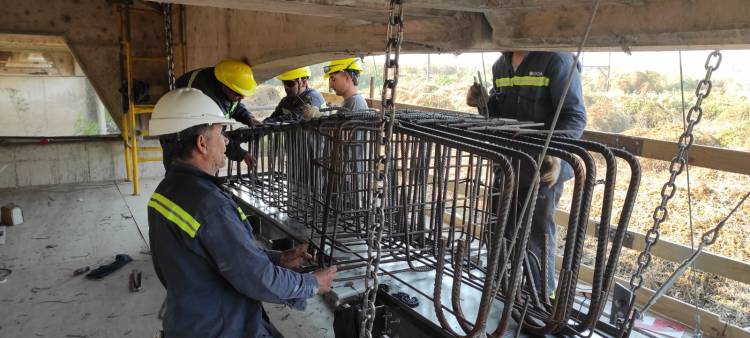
(528, 86)
(343, 78)
(301, 102)
(202, 244)
(227, 84)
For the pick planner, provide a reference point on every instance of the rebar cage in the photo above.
(461, 196)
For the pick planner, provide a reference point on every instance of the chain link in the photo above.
(394, 37)
(661, 212)
(167, 11)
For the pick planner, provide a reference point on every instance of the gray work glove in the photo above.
(310, 112)
(550, 170)
(474, 96)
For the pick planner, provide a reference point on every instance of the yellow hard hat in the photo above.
(236, 75)
(294, 74)
(342, 64)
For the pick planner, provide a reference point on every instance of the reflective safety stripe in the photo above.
(242, 213)
(174, 213)
(232, 108)
(192, 77)
(536, 81)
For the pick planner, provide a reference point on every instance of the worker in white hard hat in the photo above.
(202, 244)
(227, 84)
(301, 101)
(343, 78)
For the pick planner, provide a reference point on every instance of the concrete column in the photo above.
(100, 118)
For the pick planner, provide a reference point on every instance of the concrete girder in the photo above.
(645, 25)
(365, 10)
(248, 35)
(277, 35)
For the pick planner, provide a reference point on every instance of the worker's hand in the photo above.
(475, 96)
(550, 170)
(294, 257)
(325, 279)
(310, 112)
(253, 122)
(249, 161)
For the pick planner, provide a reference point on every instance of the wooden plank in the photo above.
(673, 252)
(674, 309)
(702, 156)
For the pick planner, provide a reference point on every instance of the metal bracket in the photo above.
(621, 298)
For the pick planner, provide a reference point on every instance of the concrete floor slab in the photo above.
(71, 226)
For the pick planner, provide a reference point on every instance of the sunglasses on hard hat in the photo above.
(327, 69)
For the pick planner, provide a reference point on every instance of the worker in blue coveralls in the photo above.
(202, 244)
(227, 84)
(301, 102)
(527, 86)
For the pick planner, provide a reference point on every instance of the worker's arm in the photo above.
(274, 256)
(247, 267)
(316, 99)
(234, 151)
(496, 93)
(243, 115)
(277, 114)
(573, 113)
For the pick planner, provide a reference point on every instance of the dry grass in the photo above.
(646, 115)
(713, 194)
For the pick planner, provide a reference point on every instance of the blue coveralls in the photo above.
(290, 108)
(204, 80)
(531, 93)
(205, 255)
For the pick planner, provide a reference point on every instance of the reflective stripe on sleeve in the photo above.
(174, 213)
(242, 214)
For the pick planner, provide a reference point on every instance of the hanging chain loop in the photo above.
(167, 11)
(394, 35)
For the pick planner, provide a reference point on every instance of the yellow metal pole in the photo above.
(131, 111)
(126, 144)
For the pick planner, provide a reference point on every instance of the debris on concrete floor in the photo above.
(107, 269)
(134, 283)
(11, 214)
(81, 271)
(4, 274)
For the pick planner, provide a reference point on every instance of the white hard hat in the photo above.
(183, 108)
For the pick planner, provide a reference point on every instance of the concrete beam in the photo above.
(652, 25)
(368, 10)
(294, 40)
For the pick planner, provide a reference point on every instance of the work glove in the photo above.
(550, 170)
(310, 112)
(475, 96)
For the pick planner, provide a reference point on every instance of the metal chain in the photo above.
(709, 237)
(661, 213)
(167, 10)
(394, 37)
